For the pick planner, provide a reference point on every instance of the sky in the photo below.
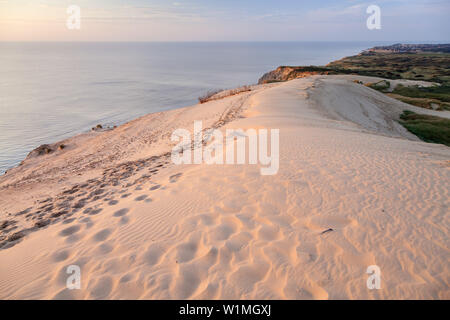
(225, 20)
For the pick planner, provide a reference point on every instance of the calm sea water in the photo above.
(50, 91)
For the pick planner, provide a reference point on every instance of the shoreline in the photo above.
(155, 89)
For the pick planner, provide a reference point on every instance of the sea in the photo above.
(52, 90)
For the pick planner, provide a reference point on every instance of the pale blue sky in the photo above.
(227, 20)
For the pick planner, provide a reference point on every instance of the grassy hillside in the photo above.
(428, 128)
(433, 67)
(434, 97)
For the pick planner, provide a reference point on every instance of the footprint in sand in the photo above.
(87, 221)
(102, 235)
(247, 276)
(239, 241)
(67, 221)
(268, 233)
(41, 223)
(207, 219)
(69, 231)
(191, 275)
(95, 211)
(126, 278)
(23, 212)
(186, 251)
(60, 255)
(222, 232)
(47, 208)
(124, 220)
(155, 187)
(153, 254)
(113, 202)
(97, 192)
(187, 282)
(140, 198)
(174, 178)
(121, 212)
(80, 204)
(102, 288)
(104, 248)
(73, 238)
(59, 213)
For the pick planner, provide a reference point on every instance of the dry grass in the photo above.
(382, 85)
(426, 127)
(433, 104)
(208, 96)
(220, 94)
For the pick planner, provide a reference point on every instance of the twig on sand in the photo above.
(328, 230)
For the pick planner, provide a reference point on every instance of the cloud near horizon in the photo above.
(231, 20)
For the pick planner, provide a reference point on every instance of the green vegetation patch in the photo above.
(422, 102)
(412, 66)
(382, 85)
(427, 128)
(434, 97)
(441, 93)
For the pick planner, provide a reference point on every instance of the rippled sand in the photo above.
(354, 189)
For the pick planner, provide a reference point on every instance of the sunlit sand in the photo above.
(353, 189)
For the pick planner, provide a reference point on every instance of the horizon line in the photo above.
(229, 41)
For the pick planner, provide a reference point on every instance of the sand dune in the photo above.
(353, 189)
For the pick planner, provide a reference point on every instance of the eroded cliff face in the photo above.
(285, 73)
(391, 62)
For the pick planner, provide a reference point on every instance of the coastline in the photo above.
(114, 203)
(102, 91)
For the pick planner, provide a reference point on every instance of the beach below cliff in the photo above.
(353, 189)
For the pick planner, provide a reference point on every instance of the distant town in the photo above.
(411, 48)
